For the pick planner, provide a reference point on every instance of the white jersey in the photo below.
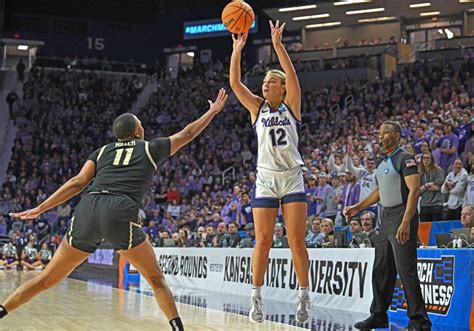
(277, 135)
(367, 184)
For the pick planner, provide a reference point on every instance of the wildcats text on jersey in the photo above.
(275, 121)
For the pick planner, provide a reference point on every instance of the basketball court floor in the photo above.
(95, 304)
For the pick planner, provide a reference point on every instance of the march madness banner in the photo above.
(337, 277)
(446, 283)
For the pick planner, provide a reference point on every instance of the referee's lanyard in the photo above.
(389, 157)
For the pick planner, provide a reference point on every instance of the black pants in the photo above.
(390, 257)
(454, 214)
(431, 213)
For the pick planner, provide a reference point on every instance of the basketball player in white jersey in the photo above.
(279, 181)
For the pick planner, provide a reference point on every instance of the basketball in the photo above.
(238, 17)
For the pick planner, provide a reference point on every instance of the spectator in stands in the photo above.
(183, 238)
(355, 226)
(455, 186)
(322, 191)
(315, 231)
(448, 145)
(420, 138)
(152, 230)
(468, 151)
(462, 132)
(467, 216)
(250, 241)
(64, 210)
(20, 69)
(12, 97)
(209, 236)
(469, 194)
(367, 219)
(329, 207)
(311, 191)
(365, 177)
(175, 237)
(199, 237)
(279, 236)
(3, 225)
(326, 237)
(232, 237)
(431, 179)
(352, 190)
(245, 209)
(221, 230)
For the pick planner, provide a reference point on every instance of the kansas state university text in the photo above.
(326, 277)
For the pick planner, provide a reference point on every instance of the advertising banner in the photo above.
(338, 277)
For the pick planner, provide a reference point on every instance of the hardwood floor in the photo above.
(77, 305)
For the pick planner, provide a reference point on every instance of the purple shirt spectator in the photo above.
(447, 142)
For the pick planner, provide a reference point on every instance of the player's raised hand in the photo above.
(239, 40)
(277, 32)
(27, 214)
(217, 105)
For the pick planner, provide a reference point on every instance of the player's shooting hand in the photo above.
(217, 105)
(239, 41)
(27, 214)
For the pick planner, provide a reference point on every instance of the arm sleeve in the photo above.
(460, 186)
(94, 155)
(408, 166)
(332, 165)
(160, 149)
(443, 187)
(350, 166)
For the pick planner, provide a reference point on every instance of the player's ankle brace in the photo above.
(3, 312)
(176, 324)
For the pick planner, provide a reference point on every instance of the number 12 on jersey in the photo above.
(281, 140)
(118, 156)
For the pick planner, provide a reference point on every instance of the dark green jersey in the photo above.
(127, 167)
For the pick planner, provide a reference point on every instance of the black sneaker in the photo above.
(371, 323)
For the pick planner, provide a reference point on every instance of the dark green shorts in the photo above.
(109, 217)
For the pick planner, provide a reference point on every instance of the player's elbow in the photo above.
(79, 182)
(233, 83)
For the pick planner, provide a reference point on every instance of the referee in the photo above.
(398, 188)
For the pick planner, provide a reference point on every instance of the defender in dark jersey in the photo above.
(397, 190)
(120, 173)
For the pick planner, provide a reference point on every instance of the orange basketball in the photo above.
(238, 17)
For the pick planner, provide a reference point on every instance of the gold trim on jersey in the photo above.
(131, 237)
(70, 230)
(101, 152)
(147, 150)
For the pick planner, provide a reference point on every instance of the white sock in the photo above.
(303, 292)
(255, 292)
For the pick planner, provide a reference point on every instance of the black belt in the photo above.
(394, 207)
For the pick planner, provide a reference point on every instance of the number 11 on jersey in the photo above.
(118, 156)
